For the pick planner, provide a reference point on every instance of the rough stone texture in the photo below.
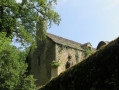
(54, 72)
(62, 53)
(100, 71)
(41, 59)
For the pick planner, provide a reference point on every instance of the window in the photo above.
(69, 62)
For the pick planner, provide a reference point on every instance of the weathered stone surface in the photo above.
(62, 55)
(100, 71)
(41, 59)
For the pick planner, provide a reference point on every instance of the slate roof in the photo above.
(63, 41)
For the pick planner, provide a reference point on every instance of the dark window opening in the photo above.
(69, 62)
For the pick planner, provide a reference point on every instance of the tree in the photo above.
(13, 67)
(19, 19)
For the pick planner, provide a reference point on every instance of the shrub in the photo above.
(55, 64)
(29, 83)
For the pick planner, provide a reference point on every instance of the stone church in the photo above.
(53, 56)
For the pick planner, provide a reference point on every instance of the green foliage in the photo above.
(29, 83)
(87, 52)
(55, 64)
(19, 19)
(12, 65)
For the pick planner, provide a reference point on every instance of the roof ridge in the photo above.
(64, 41)
(63, 38)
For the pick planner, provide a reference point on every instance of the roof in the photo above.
(63, 41)
(88, 43)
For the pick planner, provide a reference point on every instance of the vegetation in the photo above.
(99, 71)
(55, 64)
(29, 83)
(87, 52)
(12, 66)
(18, 21)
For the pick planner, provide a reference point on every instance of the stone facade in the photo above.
(62, 54)
(53, 49)
(40, 59)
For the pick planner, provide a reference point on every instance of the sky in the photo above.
(87, 20)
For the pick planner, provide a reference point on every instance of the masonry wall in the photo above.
(41, 59)
(62, 53)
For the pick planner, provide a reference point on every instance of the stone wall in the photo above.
(41, 59)
(47, 52)
(62, 53)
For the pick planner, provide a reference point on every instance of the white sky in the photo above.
(19, 1)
